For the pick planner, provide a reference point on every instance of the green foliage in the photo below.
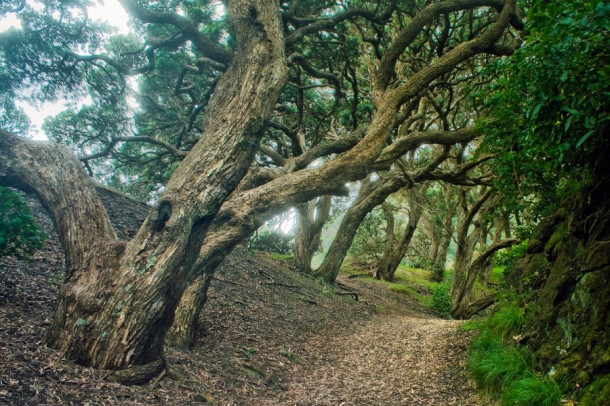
(506, 321)
(441, 300)
(509, 256)
(369, 241)
(494, 364)
(549, 110)
(271, 241)
(503, 368)
(12, 117)
(35, 59)
(19, 233)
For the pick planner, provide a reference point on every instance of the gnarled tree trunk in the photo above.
(119, 298)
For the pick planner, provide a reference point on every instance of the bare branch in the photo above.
(339, 146)
(206, 46)
(407, 35)
(137, 138)
(317, 24)
(414, 140)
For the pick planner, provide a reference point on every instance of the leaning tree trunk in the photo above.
(369, 196)
(311, 217)
(390, 240)
(462, 306)
(391, 260)
(119, 298)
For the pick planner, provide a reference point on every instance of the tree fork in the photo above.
(119, 300)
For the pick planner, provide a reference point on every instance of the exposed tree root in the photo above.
(137, 374)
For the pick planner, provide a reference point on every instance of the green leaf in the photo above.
(584, 138)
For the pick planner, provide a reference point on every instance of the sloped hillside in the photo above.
(268, 336)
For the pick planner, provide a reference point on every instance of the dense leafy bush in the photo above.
(549, 110)
(19, 233)
(441, 300)
(271, 241)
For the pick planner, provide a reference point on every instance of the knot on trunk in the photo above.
(164, 212)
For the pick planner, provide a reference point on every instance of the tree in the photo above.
(120, 297)
(394, 250)
(472, 229)
(311, 217)
(438, 226)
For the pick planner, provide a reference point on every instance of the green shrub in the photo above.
(509, 256)
(271, 241)
(19, 233)
(441, 300)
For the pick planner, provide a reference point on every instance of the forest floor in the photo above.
(269, 336)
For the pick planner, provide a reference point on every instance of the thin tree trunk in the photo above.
(438, 265)
(390, 242)
(371, 194)
(391, 260)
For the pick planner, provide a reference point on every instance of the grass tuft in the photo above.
(504, 369)
(506, 321)
(532, 390)
(493, 363)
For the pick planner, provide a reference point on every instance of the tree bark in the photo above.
(311, 217)
(395, 253)
(183, 332)
(371, 194)
(119, 300)
(467, 311)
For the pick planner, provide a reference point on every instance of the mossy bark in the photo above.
(566, 276)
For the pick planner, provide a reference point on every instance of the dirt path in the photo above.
(389, 361)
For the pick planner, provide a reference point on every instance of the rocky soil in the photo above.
(269, 336)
